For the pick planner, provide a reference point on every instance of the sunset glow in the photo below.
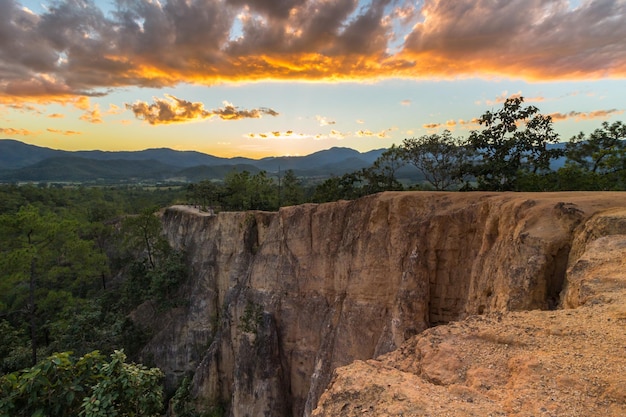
(258, 78)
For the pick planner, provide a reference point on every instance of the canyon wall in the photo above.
(278, 301)
(565, 362)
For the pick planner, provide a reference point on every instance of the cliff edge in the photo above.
(279, 301)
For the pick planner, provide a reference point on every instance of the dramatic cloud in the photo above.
(75, 49)
(598, 114)
(532, 39)
(175, 110)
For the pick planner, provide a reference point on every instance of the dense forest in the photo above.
(76, 261)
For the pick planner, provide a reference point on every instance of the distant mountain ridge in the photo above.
(23, 162)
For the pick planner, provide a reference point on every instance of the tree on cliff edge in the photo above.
(439, 157)
(514, 141)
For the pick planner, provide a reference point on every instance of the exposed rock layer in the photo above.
(280, 300)
(568, 362)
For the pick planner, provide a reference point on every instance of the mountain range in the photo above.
(23, 162)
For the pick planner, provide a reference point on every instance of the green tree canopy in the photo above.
(439, 157)
(514, 139)
(601, 151)
(89, 386)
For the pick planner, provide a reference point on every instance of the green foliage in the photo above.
(14, 353)
(125, 390)
(155, 270)
(382, 176)
(439, 157)
(346, 187)
(514, 140)
(251, 318)
(181, 402)
(206, 194)
(243, 191)
(596, 161)
(43, 255)
(601, 152)
(291, 192)
(63, 385)
(64, 247)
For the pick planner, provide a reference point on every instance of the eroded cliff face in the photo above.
(278, 301)
(566, 362)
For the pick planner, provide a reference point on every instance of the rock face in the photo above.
(567, 362)
(278, 301)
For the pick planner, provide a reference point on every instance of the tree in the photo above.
(206, 194)
(27, 234)
(514, 139)
(346, 187)
(143, 234)
(262, 192)
(236, 191)
(602, 152)
(90, 386)
(244, 191)
(155, 270)
(291, 190)
(438, 157)
(382, 175)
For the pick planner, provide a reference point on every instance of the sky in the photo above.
(260, 78)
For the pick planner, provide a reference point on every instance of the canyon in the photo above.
(401, 303)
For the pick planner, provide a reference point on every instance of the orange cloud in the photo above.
(289, 134)
(92, 116)
(451, 124)
(597, 114)
(64, 132)
(23, 107)
(13, 131)
(382, 134)
(56, 116)
(85, 52)
(174, 110)
(505, 95)
(532, 39)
